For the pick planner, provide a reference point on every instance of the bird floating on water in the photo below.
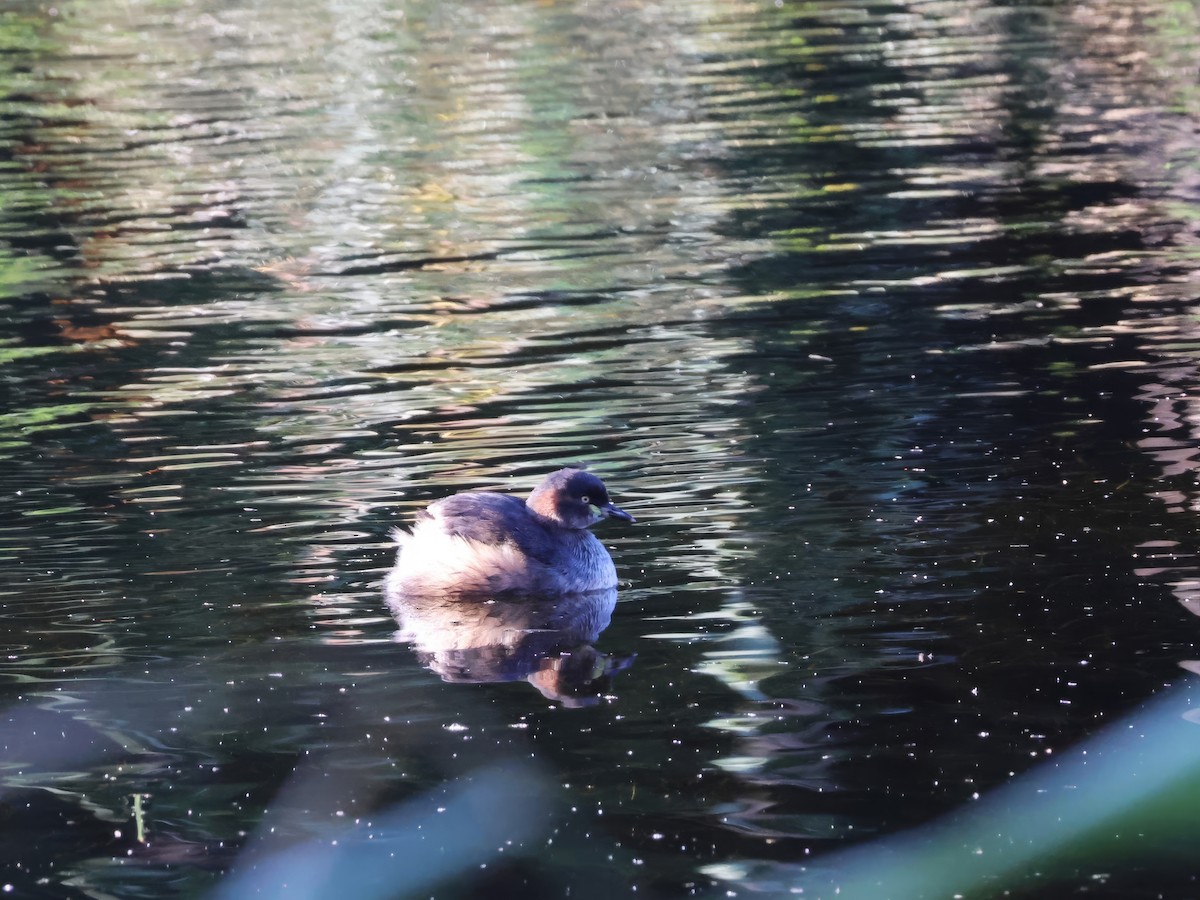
(480, 542)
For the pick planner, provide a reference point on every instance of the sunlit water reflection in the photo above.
(878, 319)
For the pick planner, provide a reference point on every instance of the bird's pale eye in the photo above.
(586, 499)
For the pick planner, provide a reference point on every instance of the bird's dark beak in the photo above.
(613, 511)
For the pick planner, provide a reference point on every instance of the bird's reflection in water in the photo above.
(547, 641)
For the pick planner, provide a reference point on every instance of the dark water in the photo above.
(881, 318)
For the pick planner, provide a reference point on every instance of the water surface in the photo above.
(879, 318)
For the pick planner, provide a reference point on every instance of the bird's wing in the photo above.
(492, 519)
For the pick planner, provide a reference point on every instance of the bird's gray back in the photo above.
(488, 518)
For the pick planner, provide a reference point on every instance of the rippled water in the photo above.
(880, 318)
